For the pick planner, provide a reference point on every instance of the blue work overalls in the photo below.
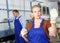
(18, 28)
(37, 35)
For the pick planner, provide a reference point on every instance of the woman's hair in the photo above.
(34, 7)
(32, 10)
(15, 11)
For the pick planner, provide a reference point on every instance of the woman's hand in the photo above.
(53, 16)
(23, 34)
(25, 37)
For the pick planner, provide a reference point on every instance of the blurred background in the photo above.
(24, 8)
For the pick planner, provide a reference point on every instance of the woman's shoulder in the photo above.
(46, 21)
(29, 25)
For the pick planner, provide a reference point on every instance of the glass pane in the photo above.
(59, 13)
(21, 13)
(44, 10)
(27, 15)
(21, 4)
(10, 14)
(3, 14)
(11, 23)
(4, 29)
(4, 26)
(47, 10)
(10, 4)
(3, 4)
(35, 3)
(13, 4)
(27, 5)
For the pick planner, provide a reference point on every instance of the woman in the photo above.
(38, 28)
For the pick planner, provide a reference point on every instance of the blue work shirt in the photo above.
(21, 19)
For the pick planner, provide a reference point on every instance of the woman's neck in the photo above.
(37, 22)
(38, 19)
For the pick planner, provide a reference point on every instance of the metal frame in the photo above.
(39, 2)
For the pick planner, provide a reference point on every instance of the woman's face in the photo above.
(36, 12)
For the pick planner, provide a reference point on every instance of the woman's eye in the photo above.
(39, 10)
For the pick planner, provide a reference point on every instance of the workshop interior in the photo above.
(24, 8)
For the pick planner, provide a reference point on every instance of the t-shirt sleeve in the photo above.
(48, 24)
(28, 25)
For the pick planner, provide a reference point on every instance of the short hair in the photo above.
(16, 11)
(34, 7)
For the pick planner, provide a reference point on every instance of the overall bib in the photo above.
(37, 35)
(18, 28)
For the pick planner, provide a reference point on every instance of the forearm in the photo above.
(24, 34)
(10, 19)
(53, 17)
(53, 29)
(53, 25)
(25, 38)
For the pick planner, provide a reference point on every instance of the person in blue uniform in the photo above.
(36, 33)
(18, 27)
(19, 23)
(38, 28)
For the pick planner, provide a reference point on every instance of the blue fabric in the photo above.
(18, 28)
(37, 35)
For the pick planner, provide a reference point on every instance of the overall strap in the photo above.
(42, 22)
(40, 25)
(19, 17)
(32, 23)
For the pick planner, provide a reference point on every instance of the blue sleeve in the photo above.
(10, 19)
(23, 21)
